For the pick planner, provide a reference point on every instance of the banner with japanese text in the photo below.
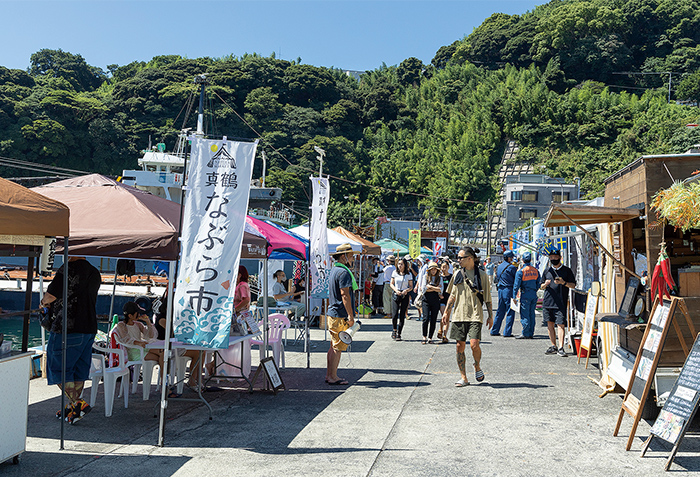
(318, 239)
(216, 203)
(414, 243)
(440, 246)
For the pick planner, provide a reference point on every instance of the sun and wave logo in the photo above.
(221, 158)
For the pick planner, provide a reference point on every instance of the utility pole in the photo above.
(488, 227)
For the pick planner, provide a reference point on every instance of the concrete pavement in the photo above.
(534, 415)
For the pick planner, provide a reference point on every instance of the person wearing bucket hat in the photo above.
(505, 278)
(431, 287)
(556, 282)
(527, 281)
(341, 308)
(389, 270)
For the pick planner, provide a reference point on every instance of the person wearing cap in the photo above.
(505, 278)
(387, 294)
(557, 281)
(527, 281)
(83, 286)
(378, 290)
(431, 288)
(341, 308)
(469, 291)
(489, 266)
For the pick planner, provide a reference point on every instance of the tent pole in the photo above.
(266, 310)
(43, 331)
(307, 345)
(64, 334)
(27, 304)
(166, 353)
(114, 290)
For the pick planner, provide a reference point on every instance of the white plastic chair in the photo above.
(131, 363)
(100, 371)
(276, 325)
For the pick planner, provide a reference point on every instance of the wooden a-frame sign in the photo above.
(272, 375)
(662, 316)
(588, 327)
(681, 406)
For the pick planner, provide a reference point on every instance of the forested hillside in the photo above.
(547, 79)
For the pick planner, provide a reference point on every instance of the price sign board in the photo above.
(681, 406)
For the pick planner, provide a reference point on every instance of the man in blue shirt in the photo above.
(341, 308)
(528, 281)
(505, 279)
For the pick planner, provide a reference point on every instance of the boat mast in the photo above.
(201, 80)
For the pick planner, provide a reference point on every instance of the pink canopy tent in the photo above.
(281, 243)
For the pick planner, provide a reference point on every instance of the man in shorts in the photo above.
(469, 291)
(341, 308)
(83, 284)
(557, 280)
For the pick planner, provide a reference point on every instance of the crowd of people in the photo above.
(456, 293)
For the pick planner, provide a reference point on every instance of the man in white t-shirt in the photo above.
(388, 271)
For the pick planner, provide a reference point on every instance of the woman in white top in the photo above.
(131, 333)
(401, 284)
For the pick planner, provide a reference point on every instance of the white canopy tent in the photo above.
(334, 238)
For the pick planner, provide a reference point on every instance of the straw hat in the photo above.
(344, 248)
(432, 265)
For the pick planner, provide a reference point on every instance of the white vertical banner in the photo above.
(440, 246)
(216, 204)
(318, 238)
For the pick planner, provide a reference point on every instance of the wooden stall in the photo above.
(634, 187)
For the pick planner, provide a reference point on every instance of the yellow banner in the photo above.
(414, 243)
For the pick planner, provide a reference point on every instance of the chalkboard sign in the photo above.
(681, 406)
(272, 373)
(588, 324)
(647, 360)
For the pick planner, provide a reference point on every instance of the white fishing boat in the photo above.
(163, 173)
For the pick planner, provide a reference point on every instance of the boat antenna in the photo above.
(202, 81)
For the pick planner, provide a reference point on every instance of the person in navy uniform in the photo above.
(556, 282)
(527, 281)
(505, 279)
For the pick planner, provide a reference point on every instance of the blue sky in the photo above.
(348, 34)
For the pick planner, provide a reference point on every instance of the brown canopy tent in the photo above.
(109, 219)
(24, 212)
(26, 219)
(368, 248)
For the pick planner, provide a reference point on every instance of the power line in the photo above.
(344, 179)
(51, 168)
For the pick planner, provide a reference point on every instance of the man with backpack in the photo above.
(469, 291)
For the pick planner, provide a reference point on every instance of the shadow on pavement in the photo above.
(514, 385)
(41, 464)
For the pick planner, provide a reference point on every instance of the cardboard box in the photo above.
(689, 284)
(322, 322)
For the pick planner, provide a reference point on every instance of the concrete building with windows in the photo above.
(529, 196)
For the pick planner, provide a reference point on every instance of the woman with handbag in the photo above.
(431, 286)
(401, 284)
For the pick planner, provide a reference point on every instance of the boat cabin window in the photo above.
(174, 169)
